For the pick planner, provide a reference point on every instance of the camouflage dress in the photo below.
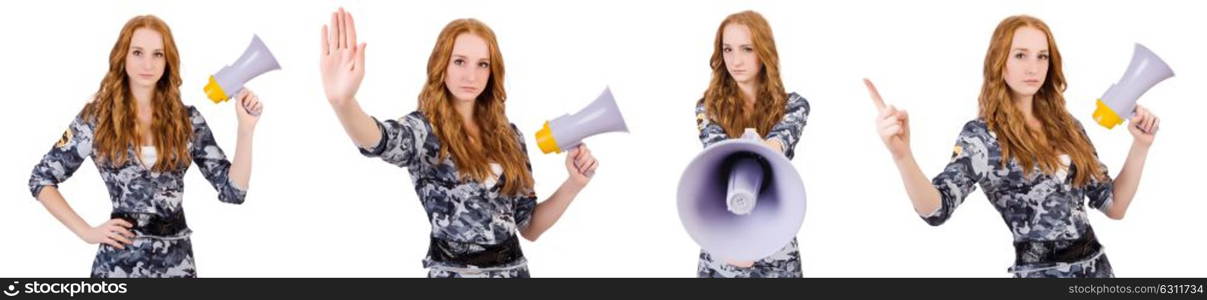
(786, 261)
(468, 217)
(142, 195)
(1045, 212)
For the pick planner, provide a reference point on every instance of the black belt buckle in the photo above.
(492, 255)
(154, 224)
(1053, 251)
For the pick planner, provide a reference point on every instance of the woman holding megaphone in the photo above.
(746, 92)
(141, 138)
(469, 164)
(1033, 160)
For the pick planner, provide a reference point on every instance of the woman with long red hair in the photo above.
(468, 163)
(746, 92)
(141, 138)
(1033, 160)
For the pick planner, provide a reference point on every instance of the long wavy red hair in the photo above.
(1059, 132)
(497, 140)
(114, 110)
(722, 101)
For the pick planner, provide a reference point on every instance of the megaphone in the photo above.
(229, 81)
(567, 131)
(741, 200)
(1119, 101)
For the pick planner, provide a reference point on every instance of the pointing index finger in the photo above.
(875, 94)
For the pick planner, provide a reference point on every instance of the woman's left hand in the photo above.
(248, 109)
(1144, 126)
(581, 165)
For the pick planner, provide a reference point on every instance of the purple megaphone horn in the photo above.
(229, 81)
(1119, 101)
(741, 200)
(567, 131)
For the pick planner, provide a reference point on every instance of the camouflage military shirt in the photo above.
(468, 213)
(135, 189)
(1036, 207)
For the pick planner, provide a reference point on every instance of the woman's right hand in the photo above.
(115, 232)
(342, 60)
(248, 111)
(891, 123)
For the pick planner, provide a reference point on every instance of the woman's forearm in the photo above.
(58, 207)
(922, 193)
(1128, 181)
(549, 211)
(357, 124)
(240, 172)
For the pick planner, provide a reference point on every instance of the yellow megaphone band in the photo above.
(544, 139)
(1106, 116)
(215, 92)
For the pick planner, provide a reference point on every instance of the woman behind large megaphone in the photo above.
(746, 92)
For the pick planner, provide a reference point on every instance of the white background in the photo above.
(317, 208)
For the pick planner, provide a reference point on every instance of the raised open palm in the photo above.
(343, 60)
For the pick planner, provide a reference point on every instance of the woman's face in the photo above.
(738, 50)
(1027, 66)
(468, 67)
(145, 60)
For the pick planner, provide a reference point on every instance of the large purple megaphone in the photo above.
(1119, 101)
(741, 200)
(567, 131)
(228, 82)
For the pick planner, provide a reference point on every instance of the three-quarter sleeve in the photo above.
(788, 129)
(212, 161)
(525, 203)
(1100, 190)
(401, 140)
(64, 158)
(969, 165)
(710, 132)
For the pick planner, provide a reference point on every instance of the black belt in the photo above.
(446, 251)
(1057, 251)
(153, 224)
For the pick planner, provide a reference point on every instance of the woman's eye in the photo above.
(157, 54)
(483, 65)
(1043, 56)
(458, 62)
(747, 49)
(726, 50)
(1019, 55)
(137, 53)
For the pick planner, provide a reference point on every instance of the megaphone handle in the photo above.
(569, 147)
